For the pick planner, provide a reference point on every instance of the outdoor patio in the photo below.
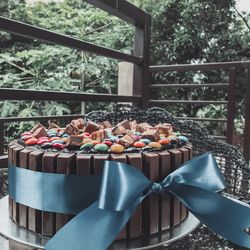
(137, 89)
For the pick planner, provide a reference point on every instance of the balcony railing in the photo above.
(138, 85)
(231, 69)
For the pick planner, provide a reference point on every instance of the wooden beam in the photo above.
(141, 72)
(32, 32)
(197, 102)
(203, 66)
(202, 119)
(122, 9)
(189, 85)
(19, 94)
(38, 118)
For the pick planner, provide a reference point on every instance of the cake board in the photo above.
(11, 231)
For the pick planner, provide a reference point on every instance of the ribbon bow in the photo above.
(123, 188)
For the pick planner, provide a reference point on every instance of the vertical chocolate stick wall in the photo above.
(49, 164)
(34, 215)
(23, 210)
(65, 165)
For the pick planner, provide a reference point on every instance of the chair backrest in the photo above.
(229, 158)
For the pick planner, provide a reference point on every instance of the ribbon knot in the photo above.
(157, 188)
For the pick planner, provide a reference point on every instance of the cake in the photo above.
(81, 148)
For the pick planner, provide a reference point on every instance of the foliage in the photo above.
(182, 32)
(196, 31)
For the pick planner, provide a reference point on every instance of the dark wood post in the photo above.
(141, 72)
(247, 120)
(231, 105)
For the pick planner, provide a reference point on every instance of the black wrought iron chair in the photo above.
(230, 160)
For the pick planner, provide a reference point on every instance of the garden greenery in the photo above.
(183, 31)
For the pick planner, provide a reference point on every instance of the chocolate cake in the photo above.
(81, 149)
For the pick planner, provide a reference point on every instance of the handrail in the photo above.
(231, 68)
(32, 32)
(189, 85)
(200, 66)
(38, 118)
(140, 58)
(25, 94)
(196, 102)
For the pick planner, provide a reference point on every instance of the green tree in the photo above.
(182, 32)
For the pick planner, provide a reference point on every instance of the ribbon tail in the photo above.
(92, 229)
(226, 217)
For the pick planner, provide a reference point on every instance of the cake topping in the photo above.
(106, 124)
(75, 140)
(119, 130)
(164, 128)
(126, 136)
(91, 127)
(40, 132)
(71, 129)
(99, 135)
(124, 124)
(142, 127)
(117, 148)
(39, 125)
(127, 140)
(151, 134)
(79, 123)
(53, 125)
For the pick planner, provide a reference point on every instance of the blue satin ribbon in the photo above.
(122, 189)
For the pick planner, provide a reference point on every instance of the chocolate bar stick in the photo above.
(120, 158)
(34, 215)
(150, 207)
(99, 163)
(165, 170)
(65, 165)
(190, 148)
(23, 210)
(176, 161)
(83, 164)
(49, 162)
(10, 161)
(16, 162)
(134, 226)
(185, 157)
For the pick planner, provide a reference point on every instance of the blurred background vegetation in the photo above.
(183, 31)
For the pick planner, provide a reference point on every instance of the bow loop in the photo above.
(201, 172)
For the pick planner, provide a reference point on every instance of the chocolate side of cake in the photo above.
(157, 213)
(134, 226)
(34, 215)
(81, 149)
(150, 207)
(23, 210)
(165, 169)
(49, 163)
(65, 165)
